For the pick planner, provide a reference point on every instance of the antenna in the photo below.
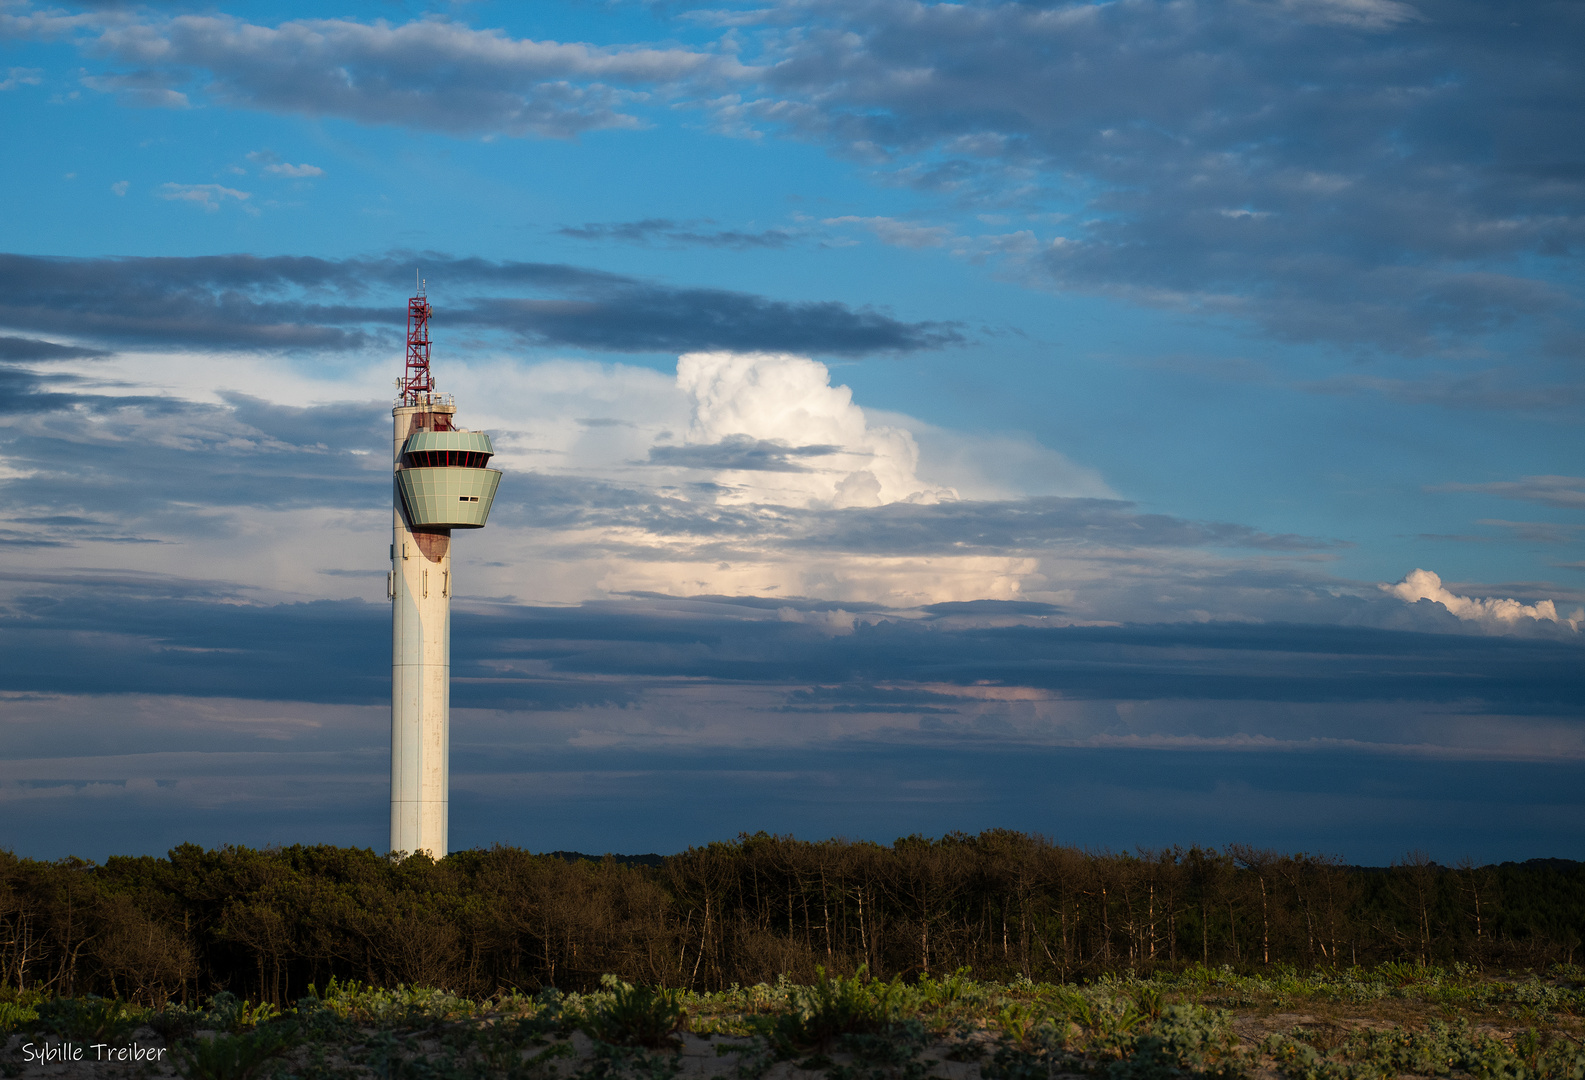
(418, 380)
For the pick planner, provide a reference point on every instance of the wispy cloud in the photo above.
(438, 75)
(666, 232)
(904, 234)
(21, 76)
(149, 88)
(271, 163)
(1501, 389)
(208, 196)
(1567, 492)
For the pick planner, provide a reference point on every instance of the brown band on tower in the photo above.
(434, 544)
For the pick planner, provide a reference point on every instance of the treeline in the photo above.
(267, 924)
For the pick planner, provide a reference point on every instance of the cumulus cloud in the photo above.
(789, 400)
(1424, 585)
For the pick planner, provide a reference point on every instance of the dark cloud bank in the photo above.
(109, 636)
(530, 683)
(248, 302)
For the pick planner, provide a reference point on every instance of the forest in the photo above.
(267, 925)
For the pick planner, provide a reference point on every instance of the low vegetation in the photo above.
(774, 958)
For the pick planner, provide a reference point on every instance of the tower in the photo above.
(440, 484)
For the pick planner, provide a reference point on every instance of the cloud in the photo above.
(780, 398)
(744, 474)
(1504, 389)
(1565, 492)
(149, 89)
(428, 73)
(15, 348)
(120, 187)
(1540, 532)
(1424, 585)
(208, 196)
(904, 234)
(663, 770)
(677, 234)
(1315, 169)
(26, 393)
(1374, 15)
(296, 302)
(1341, 171)
(738, 453)
(20, 76)
(152, 637)
(630, 316)
(273, 164)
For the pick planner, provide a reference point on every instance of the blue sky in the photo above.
(1138, 423)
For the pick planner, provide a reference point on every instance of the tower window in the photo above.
(447, 459)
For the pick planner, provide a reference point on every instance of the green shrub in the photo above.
(613, 1062)
(1043, 1054)
(234, 1057)
(892, 1055)
(637, 1016)
(1186, 1041)
(15, 1016)
(1440, 1050)
(88, 1020)
(227, 1012)
(816, 1015)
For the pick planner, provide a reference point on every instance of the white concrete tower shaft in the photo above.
(440, 481)
(420, 661)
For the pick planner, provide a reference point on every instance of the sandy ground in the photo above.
(26, 1057)
(701, 1057)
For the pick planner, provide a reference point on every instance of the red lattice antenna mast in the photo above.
(418, 382)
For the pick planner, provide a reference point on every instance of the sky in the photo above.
(1138, 423)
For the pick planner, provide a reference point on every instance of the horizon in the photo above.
(652, 859)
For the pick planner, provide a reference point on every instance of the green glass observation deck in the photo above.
(443, 479)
